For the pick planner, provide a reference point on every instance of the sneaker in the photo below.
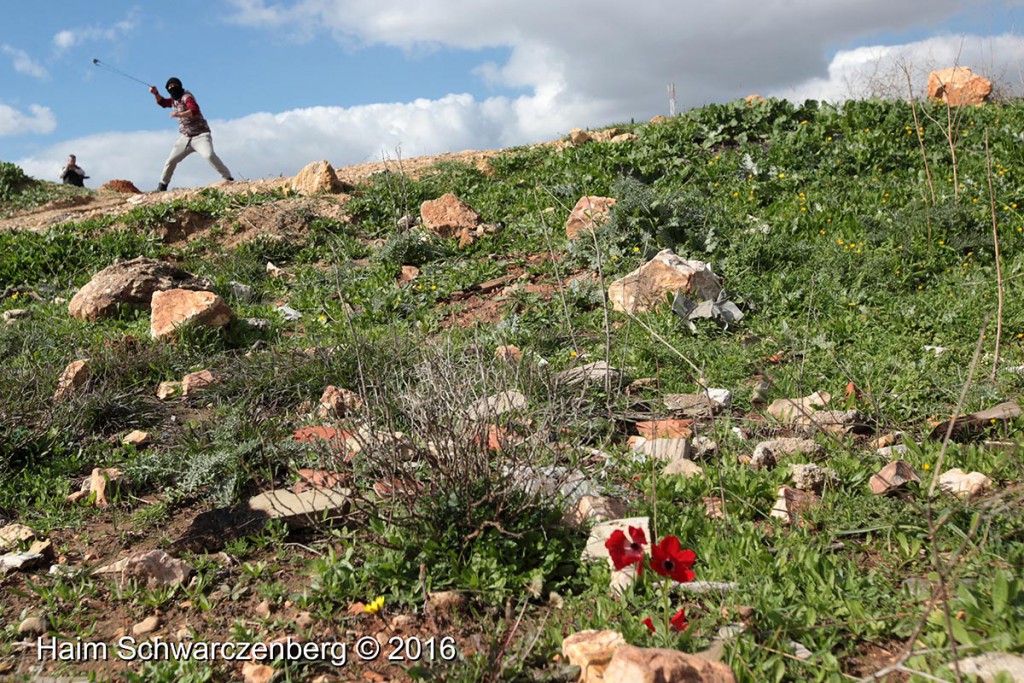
(161, 187)
(230, 179)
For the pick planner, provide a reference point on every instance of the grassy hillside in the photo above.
(852, 238)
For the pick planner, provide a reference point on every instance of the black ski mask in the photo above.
(174, 88)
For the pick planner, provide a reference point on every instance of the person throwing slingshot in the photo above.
(193, 128)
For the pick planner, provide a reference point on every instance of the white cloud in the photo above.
(39, 120)
(68, 38)
(878, 70)
(603, 52)
(23, 62)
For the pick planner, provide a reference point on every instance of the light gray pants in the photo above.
(185, 145)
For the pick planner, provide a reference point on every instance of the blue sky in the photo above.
(289, 82)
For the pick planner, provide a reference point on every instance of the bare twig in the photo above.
(999, 267)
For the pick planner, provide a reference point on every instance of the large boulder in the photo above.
(177, 307)
(130, 284)
(589, 213)
(646, 287)
(317, 178)
(448, 216)
(958, 86)
(631, 664)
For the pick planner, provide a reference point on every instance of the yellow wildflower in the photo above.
(376, 605)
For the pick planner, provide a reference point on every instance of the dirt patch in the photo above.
(182, 226)
(288, 218)
(126, 186)
(465, 314)
(873, 657)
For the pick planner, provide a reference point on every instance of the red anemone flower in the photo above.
(626, 551)
(669, 560)
(679, 621)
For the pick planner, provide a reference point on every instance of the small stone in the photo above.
(318, 177)
(155, 568)
(885, 440)
(692, 405)
(448, 216)
(257, 673)
(194, 381)
(964, 485)
(74, 377)
(304, 620)
(596, 373)
(166, 390)
(44, 548)
(597, 509)
(720, 396)
(339, 402)
(768, 453)
(448, 602)
(12, 562)
(793, 504)
(892, 477)
(302, 509)
(175, 308)
(146, 626)
(892, 451)
(703, 447)
(289, 313)
(646, 288)
(98, 482)
(263, 609)
(12, 535)
(990, 665)
(16, 314)
(496, 405)
(408, 274)
(403, 622)
(137, 438)
(33, 627)
(799, 651)
(278, 273)
(810, 477)
(242, 292)
(257, 324)
(714, 507)
(663, 450)
(665, 429)
(589, 213)
(592, 651)
(509, 354)
(686, 468)
(792, 409)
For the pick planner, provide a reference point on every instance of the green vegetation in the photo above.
(849, 250)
